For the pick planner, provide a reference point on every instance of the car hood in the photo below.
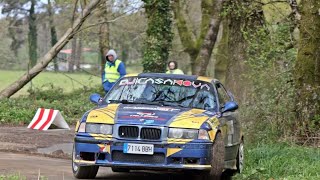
(152, 115)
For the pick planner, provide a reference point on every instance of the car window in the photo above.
(204, 100)
(181, 93)
(222, 94)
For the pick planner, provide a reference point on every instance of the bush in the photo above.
(19, 111)
(269, 110)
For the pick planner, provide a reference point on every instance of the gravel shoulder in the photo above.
(52, 143)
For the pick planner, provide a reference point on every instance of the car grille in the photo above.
(128, 131)
(145, 133)
(150, 133)
(157, 158)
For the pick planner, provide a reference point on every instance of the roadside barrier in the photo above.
(44, 118)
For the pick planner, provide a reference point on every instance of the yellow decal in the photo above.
(77, 126)
(212, 134)
(192, 119)
(214, 123)
(105, 115)
(101, 136)
(131, 75)
(171, 151)
(206, 79)
(178, 141)
(105, 148)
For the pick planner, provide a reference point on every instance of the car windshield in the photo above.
(164, 92)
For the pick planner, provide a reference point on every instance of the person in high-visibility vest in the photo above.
(113, 70)
(173, 68)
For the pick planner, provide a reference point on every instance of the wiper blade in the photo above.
(168, 103)
(160, 102)
(121, 101)
(124, 101)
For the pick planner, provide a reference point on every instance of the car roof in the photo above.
(178, 76)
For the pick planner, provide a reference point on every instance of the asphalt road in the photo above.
(32, 167)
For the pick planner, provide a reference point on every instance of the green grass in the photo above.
(281, 161)
(18, 177)
(68, 82)
(12, 177)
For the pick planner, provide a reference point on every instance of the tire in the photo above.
(239, 162)
(240, 157)
(83, 172)
(217, 162)
(116, 169)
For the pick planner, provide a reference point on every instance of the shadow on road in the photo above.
(152, 175)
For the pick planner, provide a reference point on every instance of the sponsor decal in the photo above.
(151, 108)
(142, 116)
(172, 82)
(148, 122)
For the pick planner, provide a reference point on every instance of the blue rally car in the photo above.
(154, 121)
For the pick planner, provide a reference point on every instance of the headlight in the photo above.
(99, 128)
(82, 127)
(183, 133)
(106, 129)
(203, 134)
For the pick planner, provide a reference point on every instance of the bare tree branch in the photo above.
(124, 14)
(74, 11)
(44, 61)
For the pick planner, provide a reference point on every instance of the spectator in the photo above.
(114, 69)
(173, 68)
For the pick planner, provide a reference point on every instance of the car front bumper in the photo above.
(184, 155)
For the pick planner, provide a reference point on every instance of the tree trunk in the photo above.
(44, 61)
(124, 52)
(32, 35)
(72, 59)
(185, 33)
(199, 48)
(159, 35)
(235, 80)
(230, 62)
(53, 33)
(209, 40)
(307, 68)
(103, 35)
(222, 55)
(79, 53)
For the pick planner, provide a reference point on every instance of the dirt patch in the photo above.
(24, 140)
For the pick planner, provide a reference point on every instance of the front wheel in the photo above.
(240, 158)
(217, 161)
(83, 172)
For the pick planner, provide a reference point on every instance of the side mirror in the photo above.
(230, 106)
(95, 98)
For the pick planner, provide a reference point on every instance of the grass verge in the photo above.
(280, 161)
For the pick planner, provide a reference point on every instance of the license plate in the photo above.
(131, 148)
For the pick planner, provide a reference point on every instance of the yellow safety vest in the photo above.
(111, 72)
(175, 71)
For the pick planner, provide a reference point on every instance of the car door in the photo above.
(230, 120)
